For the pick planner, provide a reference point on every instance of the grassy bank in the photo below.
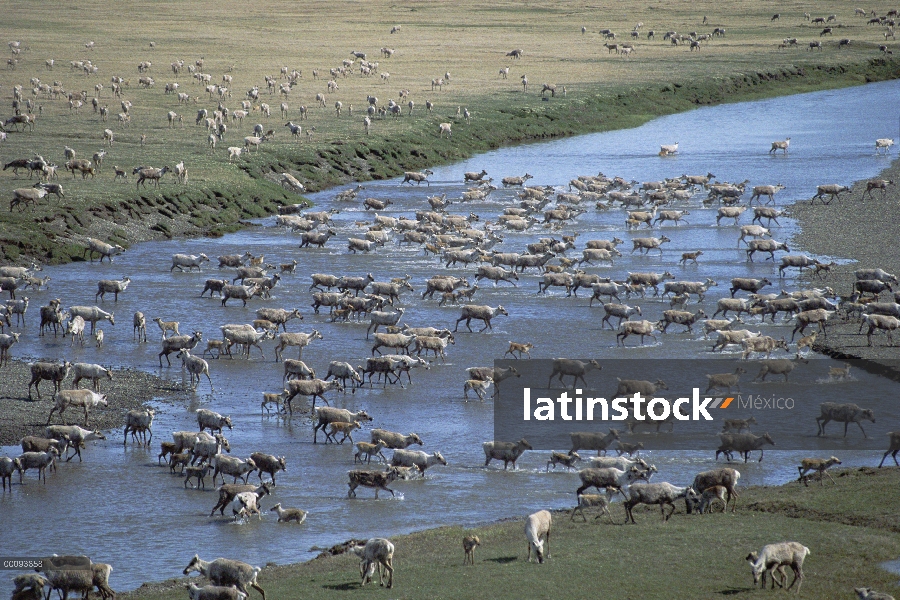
(851, 524)
(469, 40)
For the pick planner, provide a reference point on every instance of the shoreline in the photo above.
(128, 389)
(863, 231)
(428, 562)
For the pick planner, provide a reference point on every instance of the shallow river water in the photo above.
(119, 507)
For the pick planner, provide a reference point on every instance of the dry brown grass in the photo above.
(468, 39)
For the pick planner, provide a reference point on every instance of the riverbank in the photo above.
(596, 91)
(851, 524)
(128, 389)
(56, 232)
(863, 230)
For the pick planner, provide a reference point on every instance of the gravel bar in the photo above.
(128, 389)
(865, 231)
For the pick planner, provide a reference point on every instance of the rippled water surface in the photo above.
(118, 506)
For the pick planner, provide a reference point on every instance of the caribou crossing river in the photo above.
(119, 507)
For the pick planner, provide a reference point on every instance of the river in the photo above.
(119, 507)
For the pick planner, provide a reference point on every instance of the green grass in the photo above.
(849, 528)
(470, 40)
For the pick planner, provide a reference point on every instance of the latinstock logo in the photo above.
(637, 407)
(685, 404)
